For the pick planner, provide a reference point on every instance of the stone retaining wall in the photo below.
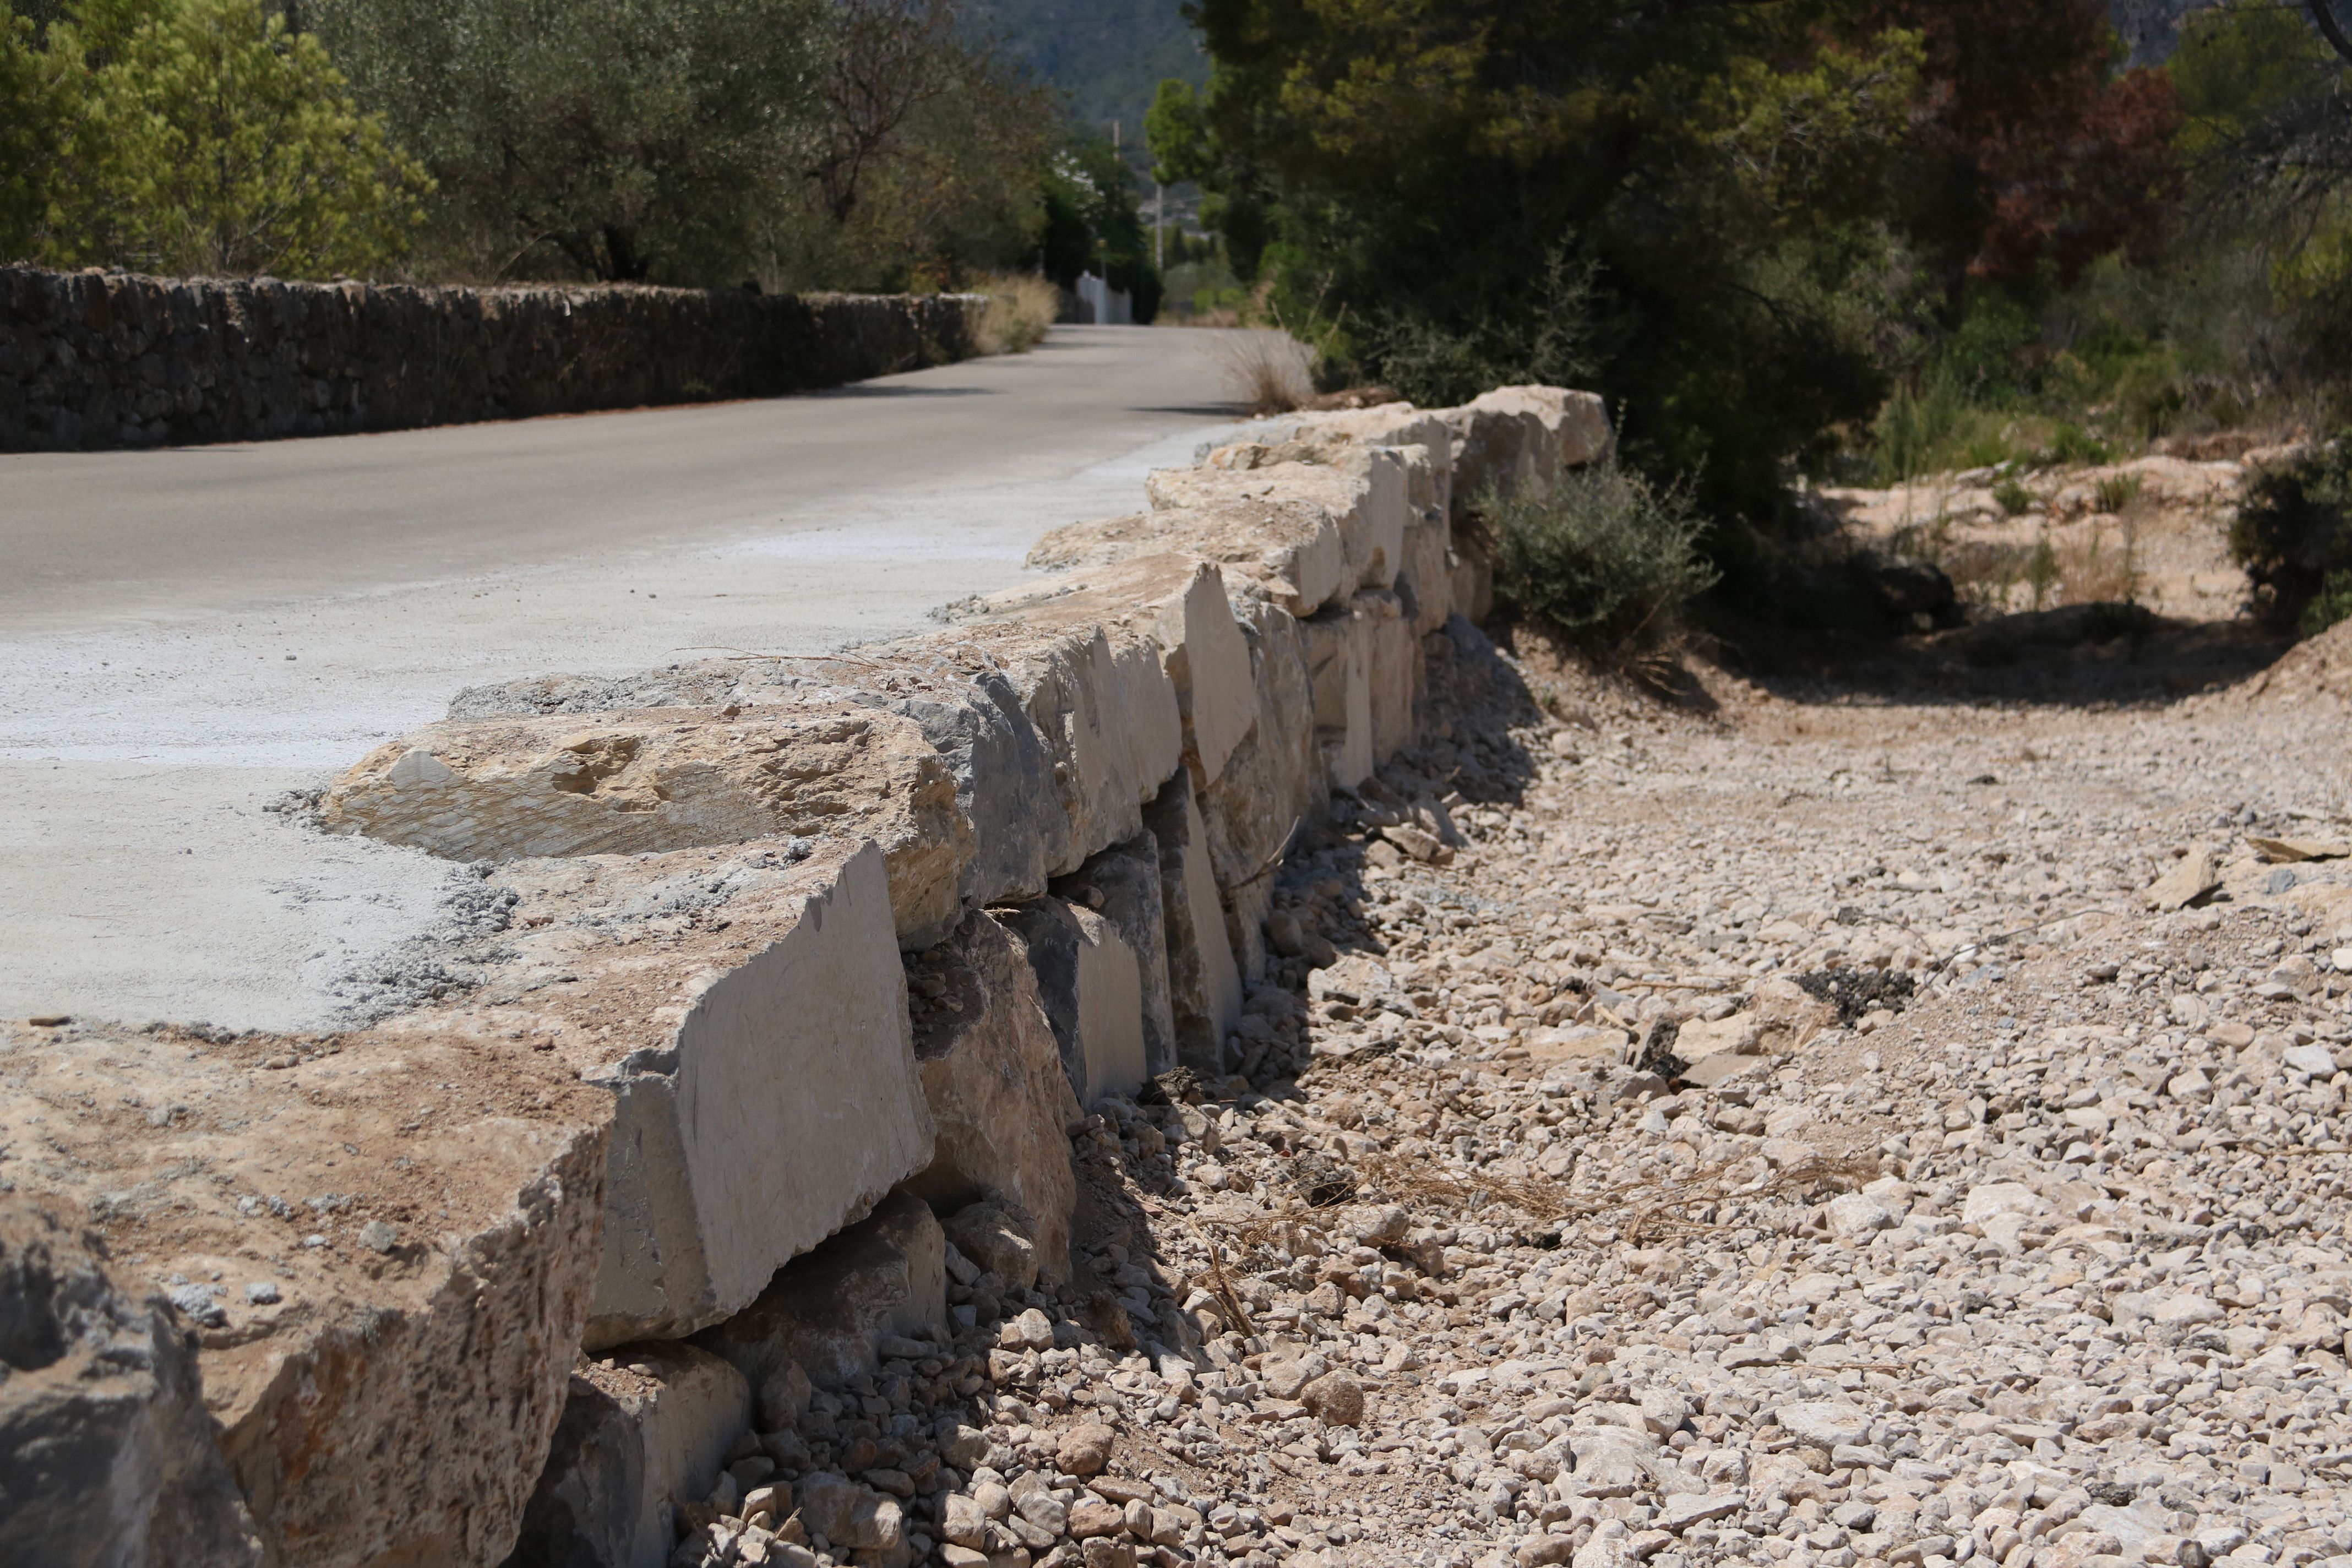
(107, 359)
(790, 983)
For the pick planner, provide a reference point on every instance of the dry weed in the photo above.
(2101, 565)
(1021, 307)
(1266, 371)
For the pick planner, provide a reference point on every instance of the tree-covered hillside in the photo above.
(1107, 56)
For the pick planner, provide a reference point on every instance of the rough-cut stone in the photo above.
(783, 1103)
(107, 1456)
(1005, 1243)
(1364, 490)
(1521, 439)
(1340, 659)
(1425, 582)
(647, 1425)
(1204, 987)
(392, 1388)
(1275, 781)
(1179, 601)
(850, 1516)
(1123, 882)
(825, 1311)
(992, 1074)
(1258, 532)
(1391, 671)
(1091, 984)
(650, 780)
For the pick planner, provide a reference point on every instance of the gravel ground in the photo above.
(1809, 1131)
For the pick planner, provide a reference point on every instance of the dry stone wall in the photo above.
(110, 359)
(785, 990)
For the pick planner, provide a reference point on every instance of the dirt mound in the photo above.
(2315, 668)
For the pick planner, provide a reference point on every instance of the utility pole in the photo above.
(1159, 225)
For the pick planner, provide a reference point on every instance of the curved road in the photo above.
(186, 634)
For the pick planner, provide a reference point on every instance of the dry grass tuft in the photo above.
(1021, 307)
(2101, 567)
(1266, 371)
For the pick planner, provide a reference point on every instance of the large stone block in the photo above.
(1204, 987)
(402, 1222)
(782, 1104)
(1275, 781)
(1100, 698)
(1339, 661)
(644, 781)
(1123, 882)
(1092, 987)
(1253, 529)
(823, 1312)
(642, 1429)
(1364, 490)
(1179, 601)
(1392, 671)
(1520, 438)
(1425, 583)
(107, 1457)
(993, 1076)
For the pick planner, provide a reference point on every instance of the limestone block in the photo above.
(1518, 438)
(1092, 987)
(886, 1275)
(1473, 585)
(1339, 660)
(1204, 987)
(388, 1391)
(1100, 699)
(1123, 883)
(1392, 671)
(1425, 582)
(107, 1456)
(993, 1078)
(965, 706)
(644, 1426)
(782, 1104)
(1275, 781)
(647, 780)
(1398, 424)
(1249, 524)
(1364, 490)
(1179, 601)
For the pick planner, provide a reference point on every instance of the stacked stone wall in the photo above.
(105, 359)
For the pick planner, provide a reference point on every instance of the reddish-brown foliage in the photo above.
(2045, 150)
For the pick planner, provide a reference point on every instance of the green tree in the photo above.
(624, 139)
(1094, 224)
(32, 124)
(199, 136)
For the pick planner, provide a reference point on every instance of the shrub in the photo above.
(2117, 492)
(2012, 497)
(2332, 603)
(2291, 533)
(1605, 556)
(1021, 307)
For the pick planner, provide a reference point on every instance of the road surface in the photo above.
(187, 635)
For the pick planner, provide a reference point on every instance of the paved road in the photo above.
(186, 634)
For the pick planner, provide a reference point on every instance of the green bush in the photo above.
(1606, 556)
(2117, 492)
(2332, 603)
(2292, 536)
(2013, 499)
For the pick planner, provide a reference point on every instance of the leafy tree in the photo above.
(1093, 223)
(624, 139)
(32, 122)
(195, 136)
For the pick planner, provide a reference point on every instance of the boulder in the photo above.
(402, 1223)
(778, 1100)
(1339, 661)
(1091, 984)
(1179, 601)
(1204, 987)
(1364, 490)
(849, 1516)
(1006, 1242)
(107, 1455)
(1123, 883)
(1520, 438)
(1395, 424)
(645, 1427)
(992, 1074)
(1425, 582)
(1392, 671)
(1275, 781)
(648, 780)
(1293, 548)
(825, 1311)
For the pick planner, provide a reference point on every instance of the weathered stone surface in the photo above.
(656, 779)
(420, 1208)
(1391, 671)
(1179, 601)
(105, 1452)
(646, 1426)
(1425, 582)
(886, 1275)
(784, 1102)
(1092, 987)
(1204, 986)
(1340, 660)
(1257, 533)
(992, 1076)
(1123, 883)
(1518, 438)
(1363, 488)
(1007, 1243)
(1275, 781)
(1098, 697)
